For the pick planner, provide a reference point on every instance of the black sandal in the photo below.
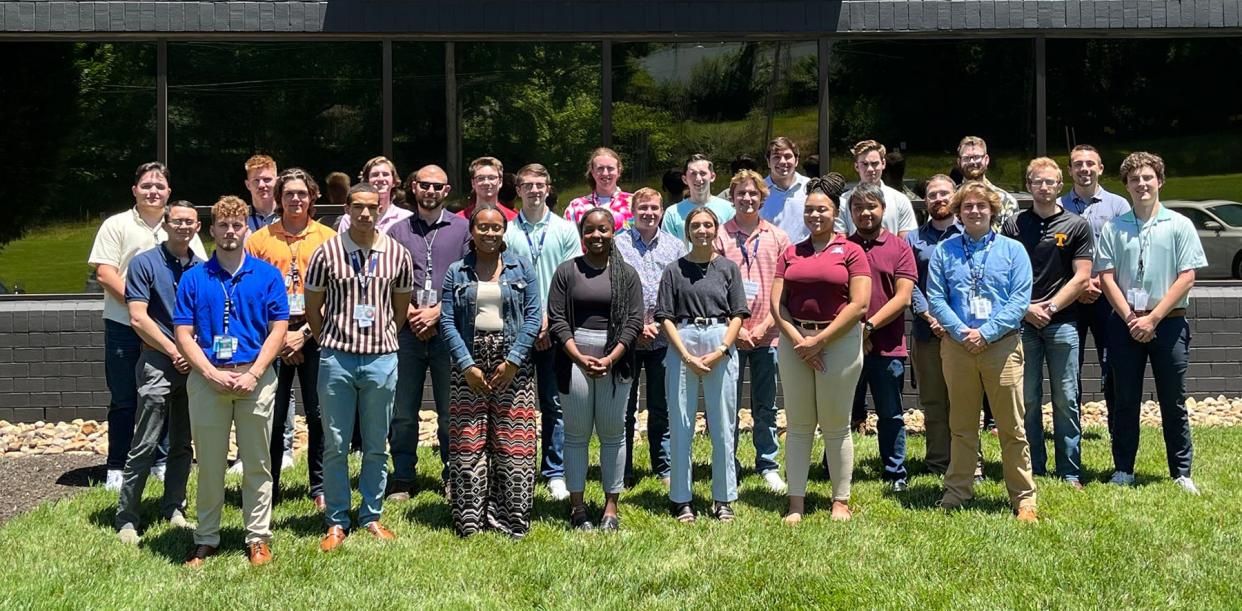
(578, 519)
(724, 512)
(683, 512)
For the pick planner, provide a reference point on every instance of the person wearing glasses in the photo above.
(979, 288)
(973, 160)
(436, 239)
(288, 245)
(701, 305)
(603, 172)
(819, 296)
(487, 176)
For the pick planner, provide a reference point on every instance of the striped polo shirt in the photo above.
(353, 277)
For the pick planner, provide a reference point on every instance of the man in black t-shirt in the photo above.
(1061, 247)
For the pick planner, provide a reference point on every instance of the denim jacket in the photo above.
(522, 311)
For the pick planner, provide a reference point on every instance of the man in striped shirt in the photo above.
(357, 291)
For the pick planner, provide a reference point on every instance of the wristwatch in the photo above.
(869, 327)
(723, 349)
(1052, 307)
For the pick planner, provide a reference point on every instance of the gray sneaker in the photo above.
(1187, 484)
(177, 520)
(1121, 478)
(127, 535)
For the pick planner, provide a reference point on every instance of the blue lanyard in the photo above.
(228, 300)
(364, 280)
(976, 271)
(754, 254)
(534, 254)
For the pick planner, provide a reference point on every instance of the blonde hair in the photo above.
(866, 146)
(976, 188)
(486, 162)
(752, 176)
(374, 161)
(602, 151)
(229, 207)
(645, 194)
(972, 141)
(535, 169)
(1043, 163)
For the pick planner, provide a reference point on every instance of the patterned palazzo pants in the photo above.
(493, 446)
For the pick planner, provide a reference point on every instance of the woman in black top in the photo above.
(701, 306)
(595, 312)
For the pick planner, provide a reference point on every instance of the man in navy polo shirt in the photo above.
(151, 293)
(231, 318)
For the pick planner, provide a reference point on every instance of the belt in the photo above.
(296, 320)
(1174, 313)
(812, 325)
(235, 366)
(701, 321)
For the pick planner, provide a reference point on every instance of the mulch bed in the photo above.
(31, 480)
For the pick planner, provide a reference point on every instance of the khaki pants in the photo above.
(212, 414)
(998, 372)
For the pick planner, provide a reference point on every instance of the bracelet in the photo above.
(256, 378)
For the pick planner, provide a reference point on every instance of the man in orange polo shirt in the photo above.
(288, 244)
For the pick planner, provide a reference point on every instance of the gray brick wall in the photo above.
(51, 357)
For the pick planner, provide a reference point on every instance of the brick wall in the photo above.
(51, 356)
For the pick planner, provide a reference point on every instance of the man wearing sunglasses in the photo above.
(435, 238)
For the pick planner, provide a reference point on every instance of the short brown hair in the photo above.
(229, 207)
(259, 162)
(338, 178)
(486, 162)
(290, 175)
(374, 161)
(972, 141)
(1043, 163)
(1139, 159)
(645, 194)
(602, 151)
(781, 142)
(1084, 148)
(866, 146)
(977, 188)
(752, 176)
(534, 169)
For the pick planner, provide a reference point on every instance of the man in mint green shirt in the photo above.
(1146, 259)
(546, 240)
(698, 175)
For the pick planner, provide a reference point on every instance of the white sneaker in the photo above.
(774, 481)
(237, 468)
(556, 486)
(1121, 478)
(115, 478)
(178, 521)
(127, 535)
(1187, 484)
(286, 461)
(158, 472)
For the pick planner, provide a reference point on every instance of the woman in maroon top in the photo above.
(820, 294)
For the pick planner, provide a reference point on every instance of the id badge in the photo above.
(364, 314)
(980, 307)
(223, 346)
(752, 289)
(1138, 299)
(288, 281)
(425, 298)
(297, 303)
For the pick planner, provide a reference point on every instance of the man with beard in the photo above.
(973, 160)
(435, 238)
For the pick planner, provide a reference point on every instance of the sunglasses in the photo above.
(431, 186)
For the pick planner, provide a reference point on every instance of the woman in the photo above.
(595, 313)
(701, 306)
(489, 319)
(819, 298)
(603, 171)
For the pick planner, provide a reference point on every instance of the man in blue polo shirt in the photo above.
(231, 318)
(151, 293)
(1147, 259)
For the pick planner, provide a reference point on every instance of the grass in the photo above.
(1151, 546)
(50, 259)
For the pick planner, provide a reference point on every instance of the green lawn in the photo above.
(1151, 546)
(50, 259)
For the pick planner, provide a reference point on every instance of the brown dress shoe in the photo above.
(260, 553)
(379, 532)
(332, 540)
(1027, 515)
(198, 555)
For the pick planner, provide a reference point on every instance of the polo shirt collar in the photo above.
(278, 229)
(953, 229)
(214, 268)
(547, 218)
(442, 220)
(879, 239)
(172, 259)
(987, 236)
(1098, 196)
(799, 181)
(141, 223)
(732, 227)
(638, 238)
(379, 245)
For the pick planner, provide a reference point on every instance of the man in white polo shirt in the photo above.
(869, 161)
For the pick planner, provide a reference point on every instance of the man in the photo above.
(435, 238)
(979, 286)
(786, 190)
(546, 240)
(1060, 248)
(649, 249)
(337, 191)
(927, 331)
(486, 178)
(893, 274)
(973, 160)
(1091, 201)
(357, 293)
(230, 322)
(380, 173)
(151, 293)
(120, 238)
(756, 245)
(869, 162)
(1147, 260)
(288, 245)
(697, 175)
(261, 183)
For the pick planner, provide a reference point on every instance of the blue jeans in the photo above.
(720, 395)
(1057, 345)
(762, 363)
(1169, 353)
(1093, 318)
(349, 384)
(121, 350)
(657, 412)
(885, 375)
(552, 427)
(415, 358)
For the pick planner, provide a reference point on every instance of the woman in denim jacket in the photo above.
(490, 317)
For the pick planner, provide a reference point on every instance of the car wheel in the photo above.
(1237, 266)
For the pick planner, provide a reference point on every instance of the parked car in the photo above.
(1219, 223)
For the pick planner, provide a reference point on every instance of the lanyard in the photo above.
(976, 271)
(754, 251)
(429, 238)
(228, 300)
(364, 280)
(294, 275)
(534, 254)
(1144, 235)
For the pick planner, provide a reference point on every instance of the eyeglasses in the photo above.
(486, 178)
(431, 186)
(1043, 182)
(971, 158)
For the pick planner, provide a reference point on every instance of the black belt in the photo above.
(812, 326)
(701, 321)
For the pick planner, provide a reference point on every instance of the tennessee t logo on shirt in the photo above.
(1061, 237)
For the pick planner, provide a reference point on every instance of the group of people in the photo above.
(535, 327)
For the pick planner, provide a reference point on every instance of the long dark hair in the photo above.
(619, 304)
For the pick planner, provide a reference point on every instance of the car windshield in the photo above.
(1230, 213)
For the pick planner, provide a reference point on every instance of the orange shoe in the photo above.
(332, 540)
(379, 532)
(260, 553)
(1027, 515)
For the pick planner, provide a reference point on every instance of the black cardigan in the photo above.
(561, 316)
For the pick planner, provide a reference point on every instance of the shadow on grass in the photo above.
(83, 477)
(174, 544)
